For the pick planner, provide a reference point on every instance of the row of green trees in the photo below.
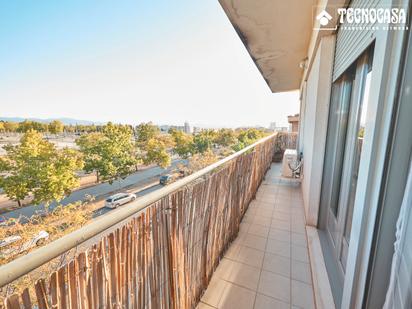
(207, 140)
(36, 168)
(53, 127)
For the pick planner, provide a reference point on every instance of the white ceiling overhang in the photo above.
(276, 34)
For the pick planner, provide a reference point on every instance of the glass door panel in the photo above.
(347, 121)
(359, 137)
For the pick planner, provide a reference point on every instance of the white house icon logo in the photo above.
(324, 18)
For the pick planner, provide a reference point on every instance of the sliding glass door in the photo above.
(346, 128)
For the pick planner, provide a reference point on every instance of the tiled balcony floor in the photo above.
(267, 266)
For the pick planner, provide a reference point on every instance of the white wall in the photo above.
(316, 105)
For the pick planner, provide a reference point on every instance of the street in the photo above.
(104, 210)
(99, 191)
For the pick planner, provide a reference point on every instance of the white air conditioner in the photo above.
(289, 158)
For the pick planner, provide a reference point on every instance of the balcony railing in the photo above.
(162, 249)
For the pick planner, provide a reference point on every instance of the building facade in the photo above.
(293, 123)
(354, 74)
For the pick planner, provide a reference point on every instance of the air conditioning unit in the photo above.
(289, 158)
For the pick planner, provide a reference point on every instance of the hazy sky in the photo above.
(131, 61)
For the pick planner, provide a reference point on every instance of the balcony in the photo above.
(229, 236)
(267, 265)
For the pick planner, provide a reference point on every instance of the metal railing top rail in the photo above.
(25, 264)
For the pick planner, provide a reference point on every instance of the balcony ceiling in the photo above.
(276, 34)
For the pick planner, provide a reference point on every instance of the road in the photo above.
(104, 210)
(100, 190)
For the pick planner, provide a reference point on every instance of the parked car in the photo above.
(9, 240)
(168, 178)
(119, 199)
(7, 248)
(165, 179)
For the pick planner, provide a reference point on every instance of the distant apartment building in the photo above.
(187, 128)
(294, 123)
(166, 128)
(274, 128)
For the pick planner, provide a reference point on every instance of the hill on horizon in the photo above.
(66, 121)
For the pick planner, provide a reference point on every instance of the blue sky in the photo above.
(131, 61)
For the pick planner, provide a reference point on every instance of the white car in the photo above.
(119, 199)
(36, 240)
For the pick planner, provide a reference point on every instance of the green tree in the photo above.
(35, 167)
(28, 125)
(247, 137)
(156, 153)
(111, 153)
(225, 137)
(201, 160)
(145, 132)
(250, 135)
(203, 141)
(69, 128)
(183, 143)
(56, 127)
(153, 146)
(90, 147)
(11, 126)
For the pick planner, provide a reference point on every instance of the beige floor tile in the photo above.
(244, 227)
(238, 240)
(282, 210)
(250, 256)
(266, 199)
(278, 247)
(255, 242)
(270, 195)
(281, 235)
(253, 203)
(302, 295)
(277, 264)
(281, 216)
(297, 214)
(236, 297)
(214, 292)
(283, 206)
(301, 272)
(264, 212)
(283, 202)
(300, 229)
(224, 269)
(275, 286)
(281, 225)
(248, 218)
(204, 306)
(259, 230)
(266, 302)
(297, 221)
(298, 239)
(300, 254)
(265, 221)
(245, 276)
(233, 251)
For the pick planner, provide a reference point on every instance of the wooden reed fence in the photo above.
(284, 140)
(165, 256)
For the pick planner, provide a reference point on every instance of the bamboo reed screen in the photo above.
(165, 256)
